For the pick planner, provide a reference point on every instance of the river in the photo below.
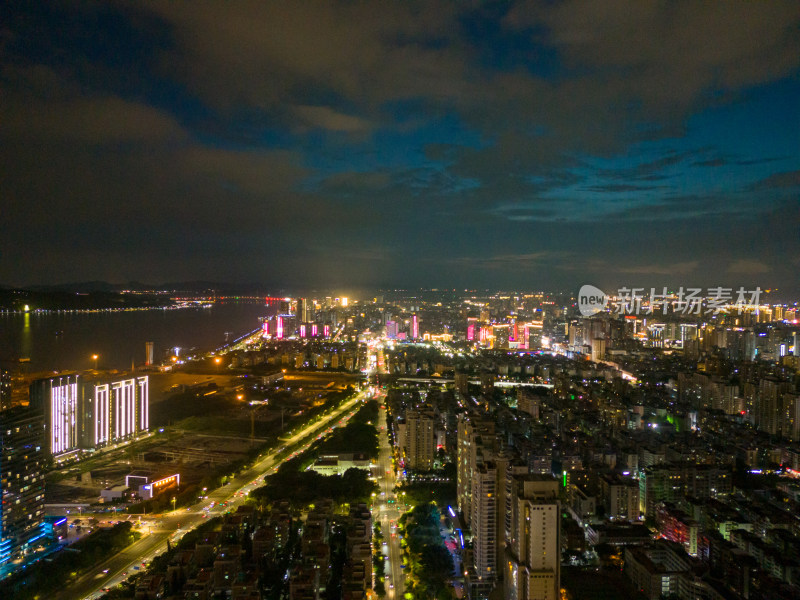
(66, 341)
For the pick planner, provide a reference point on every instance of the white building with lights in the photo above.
(85, 414)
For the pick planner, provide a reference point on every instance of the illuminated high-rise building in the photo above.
(461, 383)
(483, 524)
(769, 405)
(280, 330)
(414, 327)
(476, 444)
(87, 413)
(5, 389)
(480, 488)
(528, 402)
(391, 330)
(472, 328)
(598, 349)
(57, 399)
(419, 440)
(304, 311)
(113, 411)
(148, 350)
(533, 544)
(487, 383)
(501, 333)
(22, 458)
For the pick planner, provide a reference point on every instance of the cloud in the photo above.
(503, 261)
(460, 137)
(668, 55)
(327, 118)
(681, 268)
(92, 121)
(748, 267)
(350, 182)
(787, 179)
(613, 188)
(266, 55)
(713, 162)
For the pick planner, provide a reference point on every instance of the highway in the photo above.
(173, 525)
(386, 511)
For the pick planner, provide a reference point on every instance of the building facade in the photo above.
(82, 414)
(22, 458)
(419, 440)
(533, 549)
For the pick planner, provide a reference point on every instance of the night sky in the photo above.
(402, 144)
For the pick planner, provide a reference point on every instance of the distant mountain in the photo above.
(83, 287)
(208, 286)
(196, 287)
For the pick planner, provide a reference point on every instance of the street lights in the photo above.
(173, 504)
(94, 358)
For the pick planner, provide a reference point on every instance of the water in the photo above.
(56, 342)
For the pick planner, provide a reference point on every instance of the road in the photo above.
(173, 525)
(386, 510)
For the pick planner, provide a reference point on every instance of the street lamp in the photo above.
(173, 504)
(94, 358)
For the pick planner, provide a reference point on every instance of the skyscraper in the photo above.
(57, 399)
(148, 350)
(533, 559)
(419, 440)
(483, 524)
(414, 327)
(112, 411)
(304, 312)
(22, 457)
(487, 383)
(5, 388)
(461, 383)
(88, 413)
(528, 402)
(476, 445)
(472, 328)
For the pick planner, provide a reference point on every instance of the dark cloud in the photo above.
(88, 121)
(307, 143)
(621, 187)
(713, 162)
(789, 179)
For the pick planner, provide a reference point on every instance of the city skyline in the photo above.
(497, 145)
